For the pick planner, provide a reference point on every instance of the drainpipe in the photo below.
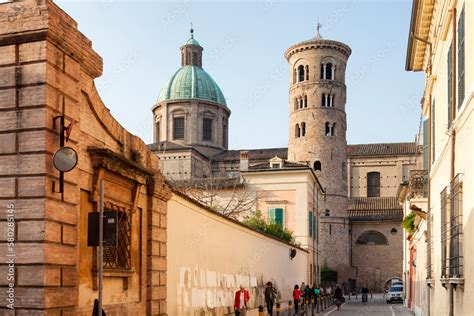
(453, 131)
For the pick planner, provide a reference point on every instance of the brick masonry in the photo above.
(47, 68)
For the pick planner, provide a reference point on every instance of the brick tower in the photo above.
(317, 135)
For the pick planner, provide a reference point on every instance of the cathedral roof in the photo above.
(374, 209)
(382, 149)
(191, 82)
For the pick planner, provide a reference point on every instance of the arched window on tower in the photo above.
(373, 184)
(329, 73)
(300, 103)
(303, 129)
(300, 73)
(297, 130)
(372, 237)
(305, 101)
(330, 129)
(317, 165)
(307, 73)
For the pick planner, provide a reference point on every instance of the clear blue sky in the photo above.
(243, 45)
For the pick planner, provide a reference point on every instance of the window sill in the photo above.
(455, 281)
(116, 273)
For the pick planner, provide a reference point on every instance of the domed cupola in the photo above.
(191, 109)
(191, 81)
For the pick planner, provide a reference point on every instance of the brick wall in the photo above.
(47, 69)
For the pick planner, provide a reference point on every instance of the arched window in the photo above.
(373, 184)
(303, 129)
(317, 165)
(307, 73)
(329, 72)
(372, 237)
(305, 102)
(297, 130)
(330, 129)
(300, 73)
(301, 103)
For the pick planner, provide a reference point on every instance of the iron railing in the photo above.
(456, 229)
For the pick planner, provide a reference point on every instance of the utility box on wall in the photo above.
(110, 229)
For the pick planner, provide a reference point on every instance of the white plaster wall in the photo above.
(209, 256)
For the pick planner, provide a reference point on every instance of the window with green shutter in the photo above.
(275, 216)
(315, 231)
(310, 222)
(426, 145)
(461, 63)
(450, 85)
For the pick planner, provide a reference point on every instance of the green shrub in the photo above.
(408, 223)
(257, 222)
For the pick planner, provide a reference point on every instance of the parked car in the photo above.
(395, 294)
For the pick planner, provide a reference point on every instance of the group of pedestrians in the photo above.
(301, 294)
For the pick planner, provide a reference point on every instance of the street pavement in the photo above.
(376, 306)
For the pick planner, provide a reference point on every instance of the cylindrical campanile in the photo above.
(317, 135)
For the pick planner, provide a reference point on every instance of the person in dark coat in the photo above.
(338, 296)
(270, 296)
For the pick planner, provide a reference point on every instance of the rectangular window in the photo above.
(275, 216)
(444, 230)
(207, 129)
(456, 256)
(450, 85)
(461, 60)
(118, 256)
(157, 132)
(224, 135)
(373, 184)
(310, 223)
(178, 128)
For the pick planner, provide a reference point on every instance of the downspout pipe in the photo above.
(453, 131)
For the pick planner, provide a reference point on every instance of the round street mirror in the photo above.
(65, 159)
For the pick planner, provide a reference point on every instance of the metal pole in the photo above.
(101, 241)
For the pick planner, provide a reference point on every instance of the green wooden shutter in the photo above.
(426, 145)
(310, 221)
(271, 215)
(450, 85)
(315, 232)
(279, 216)
(461, 63)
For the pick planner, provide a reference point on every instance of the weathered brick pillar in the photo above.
(47, 69)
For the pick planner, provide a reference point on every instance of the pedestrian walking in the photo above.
(296, 298)
(328, 289)
(365, 293)
(270, 296)
(315, 293)
(338, 296)
(241, 300)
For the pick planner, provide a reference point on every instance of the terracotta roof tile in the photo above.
(254, 154)
(373, 209)
(382, 149)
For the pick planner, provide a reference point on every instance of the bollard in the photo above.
(277, 309)
(370, 295)
(260, 310)
(290, 304)
(318, 302)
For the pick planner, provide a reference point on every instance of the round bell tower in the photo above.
(317, 135)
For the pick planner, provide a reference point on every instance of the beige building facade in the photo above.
(441, 45)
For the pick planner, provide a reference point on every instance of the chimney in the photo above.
(244, 160)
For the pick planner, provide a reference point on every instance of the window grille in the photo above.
(118, 256)
(456, 229)
(444, 230)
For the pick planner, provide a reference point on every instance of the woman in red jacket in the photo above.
(241, 300)
(296, 298)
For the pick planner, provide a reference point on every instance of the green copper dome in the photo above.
(192, 41)
(191, 82)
